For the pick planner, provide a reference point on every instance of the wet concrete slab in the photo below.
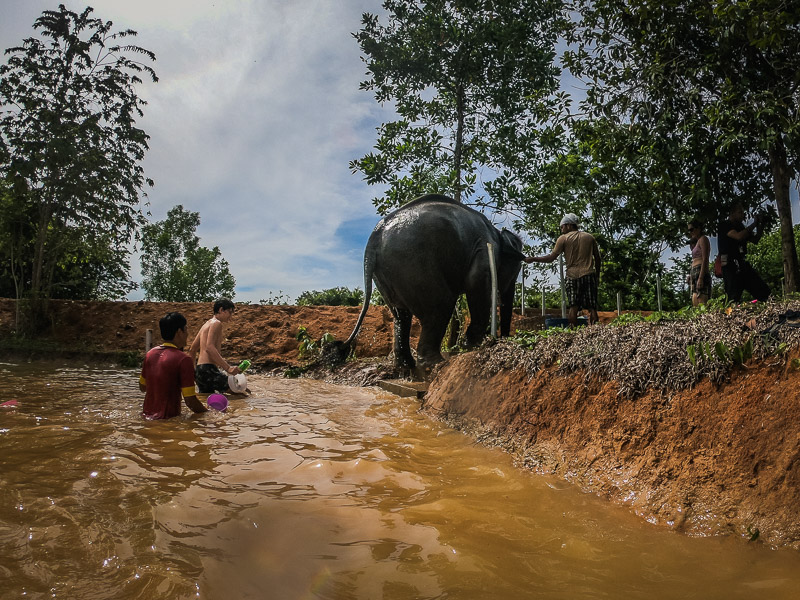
(405, 389)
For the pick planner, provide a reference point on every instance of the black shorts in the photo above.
(582, 292)
(210, 379)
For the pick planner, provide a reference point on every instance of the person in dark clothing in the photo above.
(737, 274)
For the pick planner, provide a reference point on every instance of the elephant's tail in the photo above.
(369, 269)
(337, 352)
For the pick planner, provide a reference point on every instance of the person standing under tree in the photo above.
(582, 257)
(699, 276)
(212, 370)
(737, 273)
(168, 373)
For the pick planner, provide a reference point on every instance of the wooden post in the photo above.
(563, 292)
(148, 340)
(658, 290)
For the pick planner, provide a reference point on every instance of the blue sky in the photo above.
(253, 122)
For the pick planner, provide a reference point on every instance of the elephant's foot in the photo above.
(404, 363)
(429, 361)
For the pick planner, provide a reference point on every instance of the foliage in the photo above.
(175, 268)
(766, 258)
(736, 355)
(685, 313)
(536, 280)
(293, 372)
(376, 299)
(455, 337)
(70, 148)
(338, 296)
(309, 347)
(274, 300)
(472, 83)
(130, 359)
(690, 105)
(529, 339)
(90, 266)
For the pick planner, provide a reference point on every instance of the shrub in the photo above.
(338, 296)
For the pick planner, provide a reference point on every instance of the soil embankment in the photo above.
(709, 460)
(712, 459)
(266, 335)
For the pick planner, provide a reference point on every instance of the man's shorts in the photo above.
(210, 378)
(582, 292)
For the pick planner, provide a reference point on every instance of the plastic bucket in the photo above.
(218, 402)
(237, 383)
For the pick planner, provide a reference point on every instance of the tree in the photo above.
(766, 258)
(471, 81)
(708, 94)
(69, 144)
(175, 268)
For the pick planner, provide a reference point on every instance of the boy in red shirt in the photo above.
(168, 373)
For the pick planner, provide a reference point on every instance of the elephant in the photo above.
(422, 257)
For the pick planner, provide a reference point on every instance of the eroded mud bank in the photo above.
(705, 461)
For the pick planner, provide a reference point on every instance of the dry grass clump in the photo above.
(664, 351)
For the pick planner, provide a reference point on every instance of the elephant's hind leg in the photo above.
(430, 340)
(402, 333)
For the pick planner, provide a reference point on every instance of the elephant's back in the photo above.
(441, 228)
(427, 248)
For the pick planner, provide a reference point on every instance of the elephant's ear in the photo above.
(511, 245)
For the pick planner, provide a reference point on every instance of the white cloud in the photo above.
(252, 124)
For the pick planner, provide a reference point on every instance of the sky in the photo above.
(252, 124)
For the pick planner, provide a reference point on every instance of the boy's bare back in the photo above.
(209, 343)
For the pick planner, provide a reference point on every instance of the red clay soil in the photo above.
(707, 461)
(266, 335)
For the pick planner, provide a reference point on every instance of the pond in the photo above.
(308, 490)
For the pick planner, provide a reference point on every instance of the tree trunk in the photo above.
(780, 185)
(458, 150)
(37, 302)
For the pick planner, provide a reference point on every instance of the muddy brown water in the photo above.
(307, 490)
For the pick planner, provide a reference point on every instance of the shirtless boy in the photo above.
(212, 370)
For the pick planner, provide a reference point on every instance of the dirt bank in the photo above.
(709, 460)
(266, 335)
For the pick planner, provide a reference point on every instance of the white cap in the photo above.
(237, 383)
(570, 219)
